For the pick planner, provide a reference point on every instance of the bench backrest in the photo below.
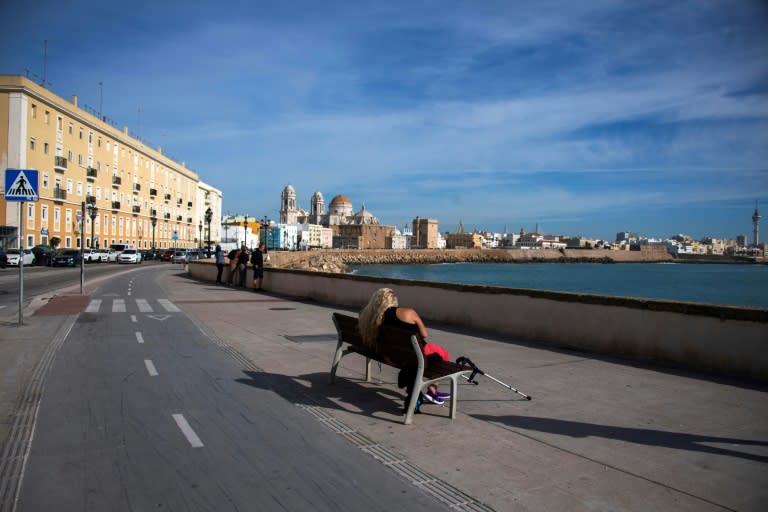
(395, 347)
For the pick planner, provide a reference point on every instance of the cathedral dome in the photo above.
(341, 200)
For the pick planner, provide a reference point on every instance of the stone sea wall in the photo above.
(339, 261)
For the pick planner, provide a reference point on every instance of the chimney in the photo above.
(74, 99)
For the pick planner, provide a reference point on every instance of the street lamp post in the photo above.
(208, 218)
(265, 224)
(153, 219)
(92, 212)
(200, 230)
(245, 230)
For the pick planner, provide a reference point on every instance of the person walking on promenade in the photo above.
(219, 255)
(257, 260)
(232, 256)
(242, 264)
(383, 309)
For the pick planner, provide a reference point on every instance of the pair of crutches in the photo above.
(465, 361)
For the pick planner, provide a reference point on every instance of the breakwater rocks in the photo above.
(339, 261)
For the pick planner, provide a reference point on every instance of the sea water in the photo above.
(727, 284)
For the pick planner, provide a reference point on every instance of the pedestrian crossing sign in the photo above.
(21, 185)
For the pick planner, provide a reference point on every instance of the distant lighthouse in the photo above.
(755, 223)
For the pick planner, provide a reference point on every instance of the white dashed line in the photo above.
(151, 368)
(133, 319)
(169, 306)
(118, 306)
(181, 421)
(143, 305)
(139, 337)
(93, 306)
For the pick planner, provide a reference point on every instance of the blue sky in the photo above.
(586, 118)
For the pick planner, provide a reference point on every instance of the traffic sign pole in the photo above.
(81, 220)
(21, 265)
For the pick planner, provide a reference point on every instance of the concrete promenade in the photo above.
(599, 434)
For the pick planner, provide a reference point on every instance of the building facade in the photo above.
(134, 194)
(425, 234)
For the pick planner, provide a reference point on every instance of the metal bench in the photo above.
(400, 349)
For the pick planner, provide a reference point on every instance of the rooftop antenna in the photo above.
(460, 228)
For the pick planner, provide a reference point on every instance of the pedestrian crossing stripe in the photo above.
(122, 306)
(21, 185)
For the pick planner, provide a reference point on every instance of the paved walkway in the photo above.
(599, 434)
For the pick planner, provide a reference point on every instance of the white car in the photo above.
(112, 255)
(92, 256)
(104, 255)
(14, 255)
(129, 256)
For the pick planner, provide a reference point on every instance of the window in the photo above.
(45, 148)
(59, 123)
(32, 144)
(79, 188)
(31, 215)
(69, 128)
(89, 190)
(80, 160)
(68, 242)
(98, 192)
(68, 220)
(34, 111)
(47, 114)
(69, 156)
(69, 186)
(106, 224)
(30, 240)
(90, 137)
(44, 215)
(58, 183)
(81, 134)
(56, 218)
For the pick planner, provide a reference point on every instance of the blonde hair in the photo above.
(372, 315)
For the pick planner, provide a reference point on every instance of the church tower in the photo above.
(755, 229)
(288, 210)
(316, 208)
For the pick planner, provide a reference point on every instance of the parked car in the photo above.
(166, 256)
(92, 256)
(104, 255)
(112, 255)
(129, 256)
(3, 258)
(180, 257)
(14, 256)
(67, 258)
(43, 254)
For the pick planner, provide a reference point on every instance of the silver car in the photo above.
(129, 256)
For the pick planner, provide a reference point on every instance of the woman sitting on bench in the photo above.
(383, 309)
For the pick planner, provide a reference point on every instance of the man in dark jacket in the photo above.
(242, 264)
(257, 260)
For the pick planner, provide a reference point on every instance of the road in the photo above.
(141, 411)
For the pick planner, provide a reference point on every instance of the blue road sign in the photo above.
(21, 185)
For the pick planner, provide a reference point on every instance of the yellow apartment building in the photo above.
(133, 194)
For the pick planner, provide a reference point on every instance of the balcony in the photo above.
(167, 197)
(60, 164)
(189, 220)
(189, 204)
(153, 213)
(179, 201)
(153, 192)
(90, 199)
(136, 188)
(167, 216)
(92, 173)
(137, 209)
(115, 205)
(178, 218)
(59, 193)
(117, 181)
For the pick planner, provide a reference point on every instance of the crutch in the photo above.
(465, 361)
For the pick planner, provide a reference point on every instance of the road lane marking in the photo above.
(150, 368)
(182, 423)
(144, 306)
(169, 306)
(133, 319)
(139, 337)
(93, 306)
(118, 306)
(160, 317)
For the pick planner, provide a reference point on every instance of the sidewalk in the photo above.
(599, 434)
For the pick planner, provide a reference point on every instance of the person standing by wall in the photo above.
(232, 256)
(257, 260)
(242, 264)
(219, 255)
